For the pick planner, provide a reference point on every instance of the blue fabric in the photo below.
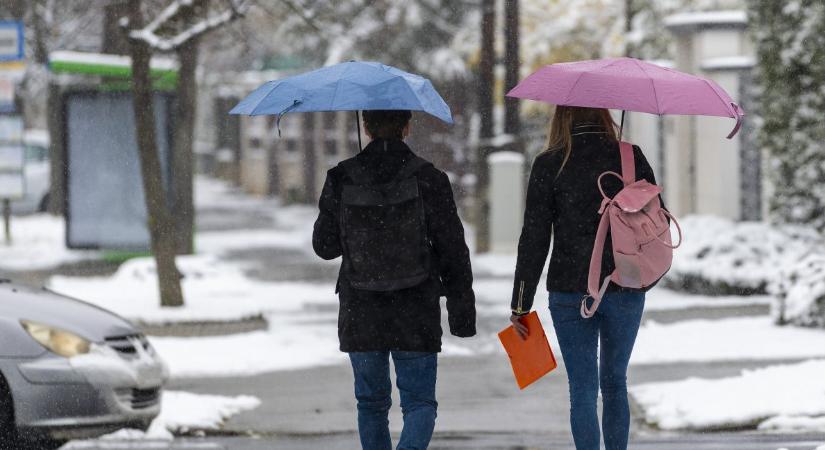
(348, 86)
(613, 332)
(415, 377)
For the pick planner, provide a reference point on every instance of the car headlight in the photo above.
(58, 341)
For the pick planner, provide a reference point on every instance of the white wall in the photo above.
(506, 200)
(718, 171)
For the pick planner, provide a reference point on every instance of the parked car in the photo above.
(71, 370)
(37, 173)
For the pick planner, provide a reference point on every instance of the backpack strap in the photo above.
(356, 171)
(596, 287)
(628, 163)
(593, 288)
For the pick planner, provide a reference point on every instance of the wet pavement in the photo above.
(488, 441)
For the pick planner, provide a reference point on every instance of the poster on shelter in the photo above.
(105, 203)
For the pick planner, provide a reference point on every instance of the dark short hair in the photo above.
(386, 124)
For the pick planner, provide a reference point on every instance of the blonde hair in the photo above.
(560, 136)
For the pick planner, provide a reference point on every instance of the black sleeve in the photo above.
(534, 243)
(447, 237)
(326, 240)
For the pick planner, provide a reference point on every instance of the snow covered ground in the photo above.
(738, 254)
(181, 413)
(732, 339)
(302, 315)
(294, 342)
(776, 398)
(214, 290)
(38, 242)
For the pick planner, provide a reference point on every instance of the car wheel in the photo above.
(9, 438)
(44, 204)
(8, 434)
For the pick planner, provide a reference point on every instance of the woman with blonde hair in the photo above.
(563, 201)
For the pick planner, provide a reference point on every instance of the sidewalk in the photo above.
(480, 406)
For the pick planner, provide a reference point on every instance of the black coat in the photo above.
(408, 319)
(564, 206)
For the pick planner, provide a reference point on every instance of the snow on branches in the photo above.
(790, 45)
(150, 35)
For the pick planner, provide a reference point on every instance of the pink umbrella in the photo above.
(630, 85)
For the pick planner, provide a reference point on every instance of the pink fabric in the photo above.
(628, 84)
(640, 234)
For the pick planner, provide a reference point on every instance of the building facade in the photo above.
(701, 171)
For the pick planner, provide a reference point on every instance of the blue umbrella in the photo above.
(349, 86)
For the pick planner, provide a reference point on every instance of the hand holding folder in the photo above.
(531, 358)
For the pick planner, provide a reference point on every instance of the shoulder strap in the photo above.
(628, 163)
(410, 168)
(356, 171)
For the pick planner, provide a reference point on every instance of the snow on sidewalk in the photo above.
(286, 345)
(214, 291)
(301, 341)
(777, 398)
(493, 296)
(181, 413)
(746, 338)
(38, 243)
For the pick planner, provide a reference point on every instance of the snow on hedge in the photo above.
(776, 398)
(800, 291)
(720, 256)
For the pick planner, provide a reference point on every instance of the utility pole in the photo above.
(486, 87)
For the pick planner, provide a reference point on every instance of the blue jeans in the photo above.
(415, 374)
(613, 331)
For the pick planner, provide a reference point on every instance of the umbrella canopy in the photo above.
(349, 86)
(630, 85)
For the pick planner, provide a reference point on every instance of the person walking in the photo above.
(392, 216)
(563, 201)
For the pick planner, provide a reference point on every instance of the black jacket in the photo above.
(566, 209)
(408, 319)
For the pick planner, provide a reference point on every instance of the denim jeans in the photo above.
(415, 374)
(613, 332)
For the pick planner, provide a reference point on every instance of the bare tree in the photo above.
(512, 63)
(486, 89)
(177, 28)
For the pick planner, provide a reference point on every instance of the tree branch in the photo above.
(148, 34)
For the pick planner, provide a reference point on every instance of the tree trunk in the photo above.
(161, 227)
(512, 63)
(183, 153)
(629, 13)
(114, 39)
(57, 152)
(486, 86)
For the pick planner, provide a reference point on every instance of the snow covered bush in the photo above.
(800, 291)
(722, 257)
(790, 72)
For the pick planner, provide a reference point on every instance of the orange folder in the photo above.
(531, 358)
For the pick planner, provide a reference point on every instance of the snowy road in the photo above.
(490, 441)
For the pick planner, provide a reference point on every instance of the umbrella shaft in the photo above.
(358, 126)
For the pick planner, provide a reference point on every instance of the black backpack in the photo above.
(384, 229)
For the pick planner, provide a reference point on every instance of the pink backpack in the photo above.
(640, 233)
